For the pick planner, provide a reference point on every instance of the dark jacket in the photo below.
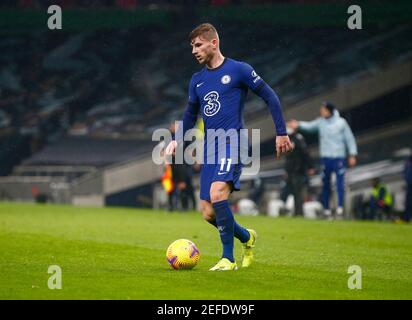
(298, 161)
(180, 173)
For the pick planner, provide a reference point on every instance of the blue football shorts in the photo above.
(227, 169)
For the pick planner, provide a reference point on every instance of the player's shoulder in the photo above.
(238, 63)
(242, 68)
(196, 76)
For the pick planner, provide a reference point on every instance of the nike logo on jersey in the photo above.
(220, 173)
(199, 84)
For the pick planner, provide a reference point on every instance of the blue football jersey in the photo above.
(221, 93)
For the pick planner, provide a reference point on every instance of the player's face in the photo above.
(203, 49)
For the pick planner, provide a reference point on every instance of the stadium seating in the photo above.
(123, 84)
(83, 151)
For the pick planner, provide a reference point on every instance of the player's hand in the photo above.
(352, 161)
(283, 145)
(293, 124)
(171, 148)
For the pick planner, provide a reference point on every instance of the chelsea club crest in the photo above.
(225, 79)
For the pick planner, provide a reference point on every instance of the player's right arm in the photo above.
(189, 117)
(255, 83)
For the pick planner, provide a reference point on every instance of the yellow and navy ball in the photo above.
(182, 254)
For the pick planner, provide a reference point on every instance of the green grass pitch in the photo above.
(117, 253)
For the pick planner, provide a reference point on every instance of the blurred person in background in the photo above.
(167, 183)
(298, 165)
(408, 178)
(189, 199)
(182, 190)
(381, 200)
(182, 183)
(336, 142)
(257, 189)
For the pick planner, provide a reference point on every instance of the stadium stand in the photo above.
(79, 151)
(90, 84)
(68, 97)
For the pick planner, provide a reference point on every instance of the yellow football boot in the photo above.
(247, 249)
(224, 264)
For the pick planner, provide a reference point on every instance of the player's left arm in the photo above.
(263, 90)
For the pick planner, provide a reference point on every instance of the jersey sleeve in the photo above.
(249, 77)
(191, 111)
(193, 98)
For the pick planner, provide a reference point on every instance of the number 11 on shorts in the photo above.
(223, 162)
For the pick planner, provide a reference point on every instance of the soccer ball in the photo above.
(182, 254)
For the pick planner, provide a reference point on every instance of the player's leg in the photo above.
(219, 195)
(340, 170)
(246, 236)
(208, 214)
(231, 174)
(217, 217)
(326, 173)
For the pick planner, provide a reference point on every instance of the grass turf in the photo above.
(118, 253)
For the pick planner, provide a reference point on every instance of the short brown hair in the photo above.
(206, 30)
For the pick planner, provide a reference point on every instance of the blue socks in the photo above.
(228, 228)
(239, 232)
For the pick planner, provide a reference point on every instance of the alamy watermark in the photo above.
(55, 280)
(355, 20)
(222, 147)
(55, 21)
(355, 280)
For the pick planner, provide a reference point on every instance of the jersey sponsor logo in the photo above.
(213, 103)
(199, 84)
(220, 173)
(225, 79)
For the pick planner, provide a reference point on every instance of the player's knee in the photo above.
(218, 193)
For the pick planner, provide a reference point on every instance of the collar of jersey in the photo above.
(217, 68)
